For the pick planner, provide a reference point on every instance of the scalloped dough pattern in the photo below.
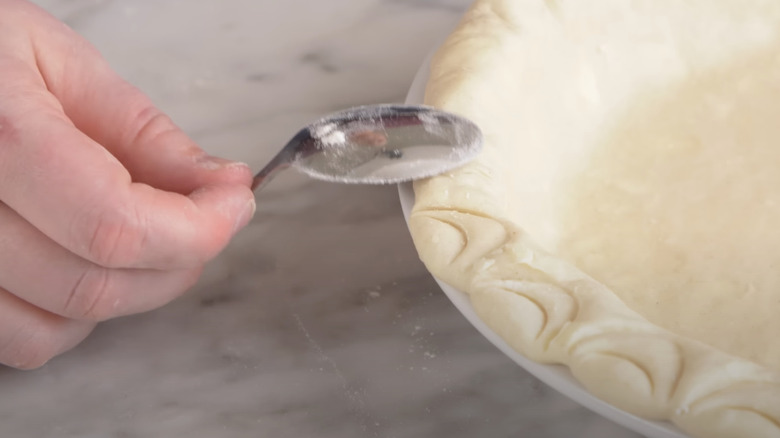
(543, 79)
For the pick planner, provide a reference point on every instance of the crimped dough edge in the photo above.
(547, 309)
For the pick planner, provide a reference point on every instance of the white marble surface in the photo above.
(318, 320)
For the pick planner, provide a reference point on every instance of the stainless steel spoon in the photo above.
(378, 144)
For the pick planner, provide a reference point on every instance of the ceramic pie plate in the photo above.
(557, 376)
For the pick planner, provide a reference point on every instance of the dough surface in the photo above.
(621, 218)
(678, 211)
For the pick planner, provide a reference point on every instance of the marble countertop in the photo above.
(319, 320)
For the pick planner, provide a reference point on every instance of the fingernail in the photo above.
(211, 162)
(246, 215)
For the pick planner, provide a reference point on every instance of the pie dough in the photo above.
(623, 218)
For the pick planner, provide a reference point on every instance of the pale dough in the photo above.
(679, 211)
(609, 126)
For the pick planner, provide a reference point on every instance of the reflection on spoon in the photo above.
(378, 144)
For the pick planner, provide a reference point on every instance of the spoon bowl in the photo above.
(378, 144)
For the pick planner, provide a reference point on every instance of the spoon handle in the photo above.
(297, 146)
(280, 162)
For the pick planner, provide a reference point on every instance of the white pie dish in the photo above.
(557, 376)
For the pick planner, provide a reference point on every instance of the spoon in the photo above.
(378, 144)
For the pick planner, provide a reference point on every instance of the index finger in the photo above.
(79, 195)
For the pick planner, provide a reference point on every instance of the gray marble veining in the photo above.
(318, 320)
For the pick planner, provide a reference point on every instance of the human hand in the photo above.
(106, 207)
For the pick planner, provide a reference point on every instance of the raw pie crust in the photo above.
(624, 217)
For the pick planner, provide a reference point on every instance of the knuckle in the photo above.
(148, 124)
(92, 296)
(31, 347)
(106, 239)
(112, 237)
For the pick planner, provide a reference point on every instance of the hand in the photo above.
(106, 208)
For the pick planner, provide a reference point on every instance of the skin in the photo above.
(106, 207)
